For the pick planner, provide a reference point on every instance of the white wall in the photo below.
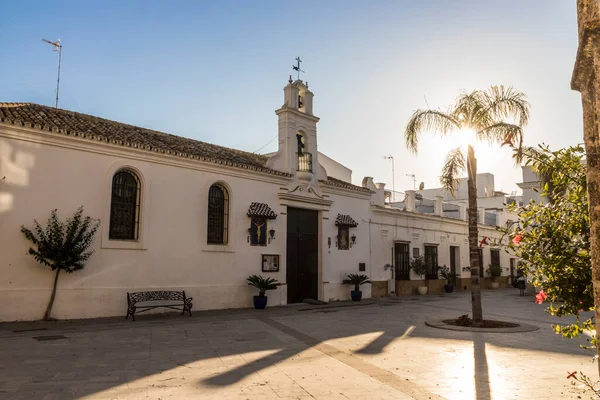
(392, 225)
(45, 171)
(483, 181)
(335, 169)
(339, 263)
(172, 253)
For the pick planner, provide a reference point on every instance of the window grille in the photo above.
(402, 261)
(495, 255)
(305, 162)
(218, 215)
(431, 259)
(125, 206)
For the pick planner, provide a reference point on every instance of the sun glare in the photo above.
(467, 136)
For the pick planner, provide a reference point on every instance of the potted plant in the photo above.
(262, 284)
(494, 270)
(418, 265)
(450, 277)
(356, 280)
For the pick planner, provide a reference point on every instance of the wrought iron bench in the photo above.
(154, 299)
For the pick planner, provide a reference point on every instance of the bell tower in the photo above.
(297, 153)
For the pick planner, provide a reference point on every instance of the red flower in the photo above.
(483, 241)
(508, 139)
(540, 297)
(517, 239)
(571, 375)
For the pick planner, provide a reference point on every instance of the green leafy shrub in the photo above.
(356, 280)
(262, 284)
(62, 245)
(450, 277)
(494, 270)
(553, 236)
(418, 265)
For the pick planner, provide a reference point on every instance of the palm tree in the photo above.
(495, 116)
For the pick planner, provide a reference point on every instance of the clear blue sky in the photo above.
(214, 71)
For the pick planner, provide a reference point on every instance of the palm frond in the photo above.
(467, 107)
(454, 166)
(428, 121)
(504, 102)
(501, 133)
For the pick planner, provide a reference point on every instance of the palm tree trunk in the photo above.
(591, 131)
(473, 238)
(51, 302)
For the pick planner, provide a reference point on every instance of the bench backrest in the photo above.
(155, 295)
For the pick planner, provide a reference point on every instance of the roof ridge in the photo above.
(17, 104)
(87, 125)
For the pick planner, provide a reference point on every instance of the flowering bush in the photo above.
(553, 237)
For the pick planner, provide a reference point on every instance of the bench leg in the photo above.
(130, 311)
(187, 306)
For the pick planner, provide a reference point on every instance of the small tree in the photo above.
(62, 245)
(418, 265)
(494, 270)
(553, 239)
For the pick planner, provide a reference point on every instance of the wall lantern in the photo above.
(329, 242)
(353, 239)
(272, 233)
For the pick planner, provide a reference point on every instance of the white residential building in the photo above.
(180, 214)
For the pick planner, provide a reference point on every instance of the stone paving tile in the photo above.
(379, 351)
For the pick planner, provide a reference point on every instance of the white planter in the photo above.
(422, 289)
(495, 285)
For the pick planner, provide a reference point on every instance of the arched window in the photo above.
(125, 206)
(218, 214)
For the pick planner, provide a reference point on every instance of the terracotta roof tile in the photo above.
(95, 128)
(341, 184)
(261, 210)
(345, 220)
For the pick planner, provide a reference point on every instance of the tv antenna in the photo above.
(57, 46)
(391, 157)
(297, 67)
(414, 180)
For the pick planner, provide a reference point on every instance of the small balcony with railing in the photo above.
(305, 166)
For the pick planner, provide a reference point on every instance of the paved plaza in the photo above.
(380, 349)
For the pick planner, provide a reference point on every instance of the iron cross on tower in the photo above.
(297, 67)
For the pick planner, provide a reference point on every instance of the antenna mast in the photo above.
(391, 157)
(414, 180)
(56, 47)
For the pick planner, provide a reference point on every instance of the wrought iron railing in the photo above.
(305, 162)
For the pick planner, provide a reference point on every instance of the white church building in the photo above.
(180, 214)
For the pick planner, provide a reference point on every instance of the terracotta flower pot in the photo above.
(422, 290)
(495, 285)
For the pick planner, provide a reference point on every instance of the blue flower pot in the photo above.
(260, 303)
(449, 288)
(356, 295)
